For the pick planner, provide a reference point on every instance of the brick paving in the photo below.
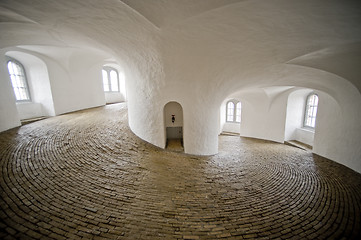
(84, 175)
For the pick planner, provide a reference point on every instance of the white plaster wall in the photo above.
(40, 85)
(263, 117)
(29, 110)
(9, 117)
(295, 112)
(305, 136)
(76, 81)
(232, 127)
(111, 97)
(201, 130)
(338, 129)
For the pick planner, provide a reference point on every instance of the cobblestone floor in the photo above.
(85, 175)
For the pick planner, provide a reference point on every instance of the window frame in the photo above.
(234, 114)
(306, 116)
(108, 70)
(24, 80)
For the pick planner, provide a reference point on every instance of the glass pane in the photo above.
(229, 118)
(238, 112)
(18, 81)
(316, 100)
(230, 106)
(114, 81)
(10, 68)
(105, 81)
(230, 111)
(22, 93)
(17, 94)
(311, 111)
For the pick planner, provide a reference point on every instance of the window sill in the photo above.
(307, 129)
(24, 102)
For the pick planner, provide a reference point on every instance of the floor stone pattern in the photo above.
(85, 175)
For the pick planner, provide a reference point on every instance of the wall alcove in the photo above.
(173, 126)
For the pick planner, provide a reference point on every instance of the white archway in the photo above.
(173, 124)
(230, 126)
(41, 103)
(119, 96)
(294, 118)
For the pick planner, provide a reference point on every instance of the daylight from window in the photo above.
(110, 80)
(311, 111)
(18, 81)
(233, 112)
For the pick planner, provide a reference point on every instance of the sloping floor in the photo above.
(175, 145)
(297, 144)
(86, 175)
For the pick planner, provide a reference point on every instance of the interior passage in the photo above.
(86, 175)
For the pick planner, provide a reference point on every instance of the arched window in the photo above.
(233, 111)
(230, 111)
(110, 79)
(238, 112)
(18, 80)
(311, 111)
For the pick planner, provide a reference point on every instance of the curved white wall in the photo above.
(9, 116)
(338, 131)
(263, 116)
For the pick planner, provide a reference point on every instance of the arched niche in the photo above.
(173, 126)
(232, 126)
(36, 71)
(119, 96)
(296, 104)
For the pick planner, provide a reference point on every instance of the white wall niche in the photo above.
(36, 72)
(173, 121)
(120, 96)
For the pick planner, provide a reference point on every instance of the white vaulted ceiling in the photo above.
(164, 13)
(231, 43)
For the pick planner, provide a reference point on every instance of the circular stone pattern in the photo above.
(86, 175)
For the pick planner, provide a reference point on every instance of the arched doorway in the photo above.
(173, 124)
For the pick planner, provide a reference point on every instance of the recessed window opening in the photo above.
(233, 111)
(311, 111)
(18, 80)
(110, 79)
